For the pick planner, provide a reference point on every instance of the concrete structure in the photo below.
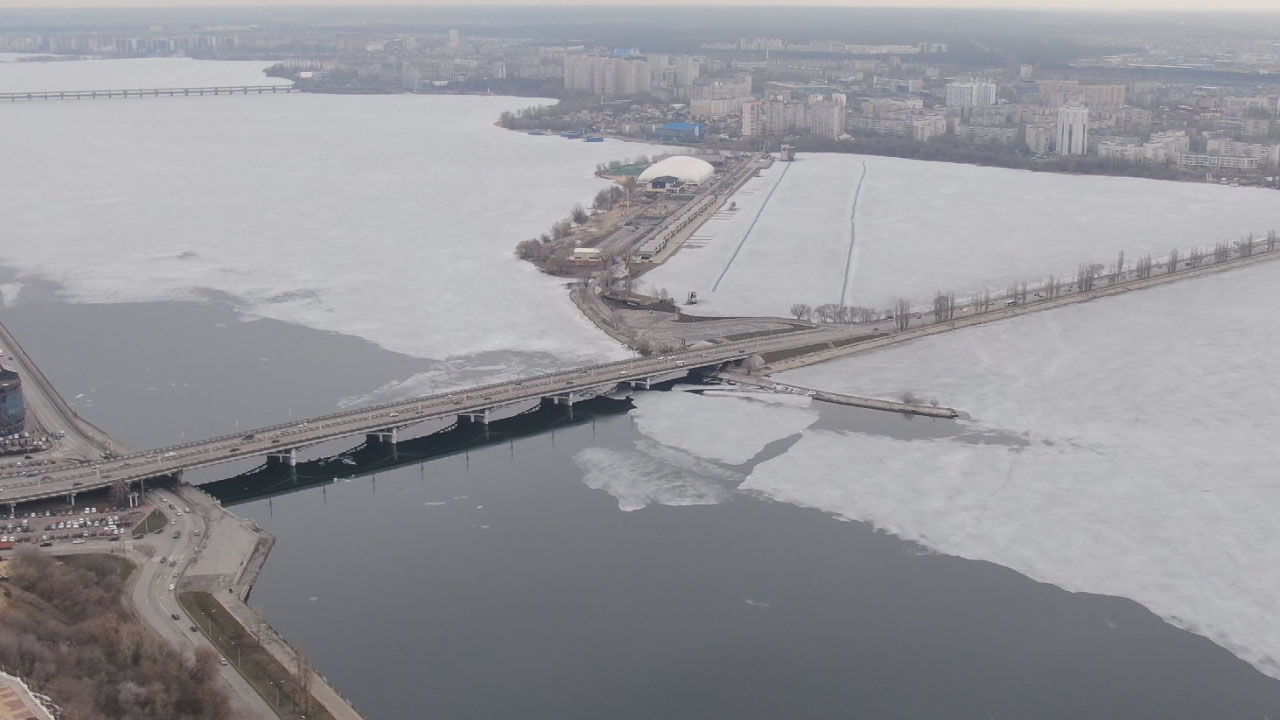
(1165, 147)
(1266, 154)
(986, 133)
(1039, 138)
(1073, 130)
(1062, 92)
(18, 702)
(752, 118)
(13, 410)
(609, 76)
(915, 125)
(971, 94)
(1219, 162)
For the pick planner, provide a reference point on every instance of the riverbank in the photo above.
(229, 557)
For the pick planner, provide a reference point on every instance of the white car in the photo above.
(172, 586)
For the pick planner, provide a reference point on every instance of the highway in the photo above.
(281, 438)
(52, 413)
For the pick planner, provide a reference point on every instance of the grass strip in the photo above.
(273, 681)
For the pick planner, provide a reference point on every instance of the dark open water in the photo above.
(496, 584)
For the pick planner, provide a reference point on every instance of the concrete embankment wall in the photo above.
(843, 399)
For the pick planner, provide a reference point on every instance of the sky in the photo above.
(1158, 5)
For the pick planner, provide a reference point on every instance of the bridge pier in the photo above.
(288, 457)
(478, 416)
(643, 383)
(389, 435)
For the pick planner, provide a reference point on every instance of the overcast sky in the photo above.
(1197, 5)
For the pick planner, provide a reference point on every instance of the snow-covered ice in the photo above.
(391, 218)
(928, 226)
(131, 74)
(1145, 467)
(655, 474)
(728, 428)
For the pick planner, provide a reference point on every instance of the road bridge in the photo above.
(147, 92)
(382, 423)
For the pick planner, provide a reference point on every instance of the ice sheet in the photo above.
(928, 226)
(654, 474)
(392, 218)
(727, 428)
(1149, 466)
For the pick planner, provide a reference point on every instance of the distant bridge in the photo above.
(147, 92)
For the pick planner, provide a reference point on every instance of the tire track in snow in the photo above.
(853, 231)
(751, 227)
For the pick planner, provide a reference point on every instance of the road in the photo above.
(156, 604)
(50, 412)
(280, 438)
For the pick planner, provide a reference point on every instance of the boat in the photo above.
(536, 132)
(594, 139)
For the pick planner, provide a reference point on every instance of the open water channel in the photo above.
(496, 583)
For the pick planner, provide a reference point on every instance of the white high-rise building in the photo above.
(752, 118)
(973, 94)
(1073, 130)
(455, 38)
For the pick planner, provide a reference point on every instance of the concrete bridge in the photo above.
(147, 92)
(383, 423)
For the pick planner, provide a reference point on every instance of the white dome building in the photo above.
(687, 170)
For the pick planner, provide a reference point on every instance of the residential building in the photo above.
(1073, 130)
(919, 126)
(971, 94)
(1218, 162)
(1039, 138)
(986, 133)
(752, 117)
(1266, 154)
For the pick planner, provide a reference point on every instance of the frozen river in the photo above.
(390, 218)
(676, 559)
(921, 227)
(1143, 461)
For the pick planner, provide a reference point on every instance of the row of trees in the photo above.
(65, 630)
(1088, 276)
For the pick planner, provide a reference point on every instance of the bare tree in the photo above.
(1118, 275)
(1271, 240)
(1172, 263)
(902, 313)
(1142, 268)
(943, 306)
(802, 311)
(1086, 276)
(1196, 257)
(1246, 246)
(579, 214)
(303, 673)
(827, 312)
(1221, 252)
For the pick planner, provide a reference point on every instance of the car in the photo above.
(394, 414)
(223, 661)
(179, 512)
(172, 586)
(175, 616)
(186, 510)
(173, 522)
(195, 629)
(170, 454)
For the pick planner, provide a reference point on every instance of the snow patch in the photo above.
(654, 474)
(729, 428)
